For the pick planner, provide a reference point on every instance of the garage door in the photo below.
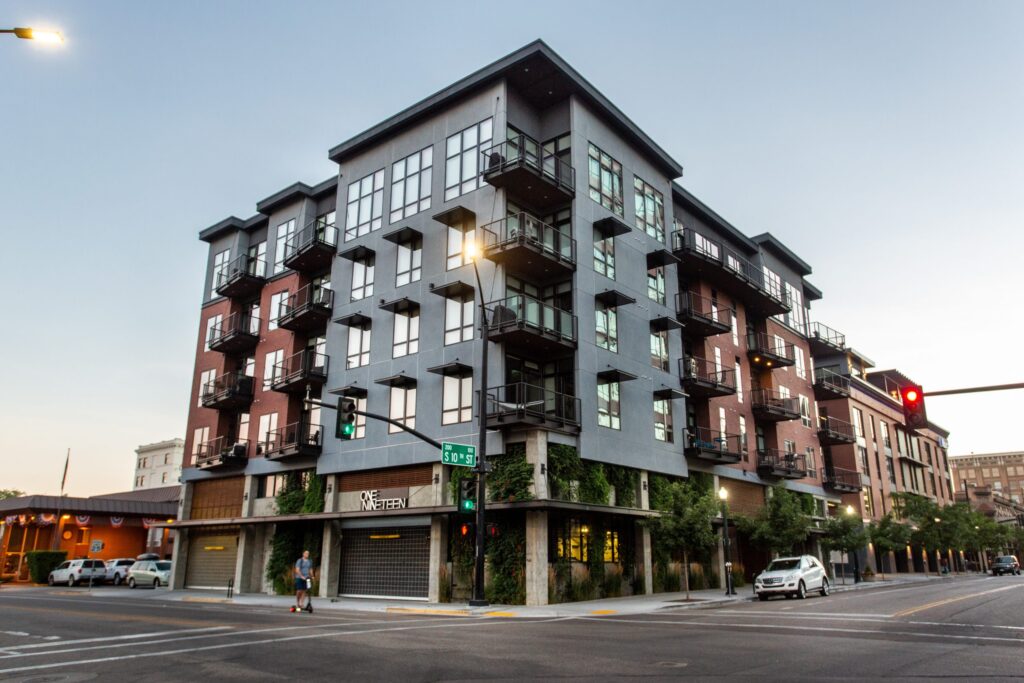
(385, 562)
(211, 558)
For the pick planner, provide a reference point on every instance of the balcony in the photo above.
(525, 245)
(771, 462)
(842, 481)
(307, 310)
(239, 333)
(528, 406)
(833, 432)
(702, 379)
(522, 167)
(767, 352)
(295, 373)
(222, 453)
(230, 391)
(312, 248)
(530, 324)
(297, 439)
(771, 406)
(716, 446)
(830, 385)
(701, 316)
(707, 259)
(823, 340)
(241, 277)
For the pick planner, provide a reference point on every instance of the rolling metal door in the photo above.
(385, 562)
(211, 559)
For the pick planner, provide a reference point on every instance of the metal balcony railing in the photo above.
(227, 387)
(313, 235)
(703, 370)
(524, 229)
(831, 382)
(722, 444)
(523, 151)
(522, 402)
(781, 463)
(842, 479)
(771, 400)
(524, 312)
(219, 450)
(304, 365)
(706, 310)
(836, 430)
(237, 269)
(305, 299)
(771, 347)
(237, 326)
(298, 437)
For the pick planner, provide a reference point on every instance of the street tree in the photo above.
(685, 524)
(10, 493)
(888, 535)
(780, 525)
(844, 533)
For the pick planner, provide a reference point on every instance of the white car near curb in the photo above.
(792, 577)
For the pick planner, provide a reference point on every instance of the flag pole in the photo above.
(59, 522)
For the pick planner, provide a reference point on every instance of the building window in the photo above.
(805, 411)
(858, 423)
(608, 405)
(743, 436)
(403, 407)
(801, 367)
(163, 478)
(663, 420)
(199, 437)
(213, 326)
(406, 339)
(862, 457)
(659, 350)
(607, 327)
(656, 284)
(410, 184)
(458, 319)
(284, 233)
(605, 180)
(272, 369)
(458, 236)
(267, 425)
(462, 159)
(772, 283)
(739, 382)
(362, 278)
(604, 255)
(275, 309)
(735, 329)
(220, 264)
(457, 400)
(365, 205)
(205, 380)
(650, 209)
(358, 346)
(410, 260)
(869, 507)
(796, 316)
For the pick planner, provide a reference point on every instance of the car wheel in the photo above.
(824, 588)
(49, 580)
(117, 579)
(131, 582)
(762, 597)
(801, 591)
(789, 596)
(156, 583)
(71, 582)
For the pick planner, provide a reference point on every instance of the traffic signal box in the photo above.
(913, 407)
(345, 427)
(467, 496)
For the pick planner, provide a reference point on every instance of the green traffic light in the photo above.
(468, 505)
(348, 429)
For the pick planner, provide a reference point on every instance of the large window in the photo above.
(608, 414)
(458, 236)
(656, 284)
(605, 180)
(271, 368)
(663, 420)
(199, 436)
(205, 379)
(805, 410)
(801, 366)
(220, 264)
(284, 233)
(410, 184)
(796, 317)
(650, 209)
(458, 319)
(365, 205)
(275, 309)
(772, 282)
(358, 346)
(214, 326)
(659, 349)
(462, 159)
(403, 407)
(362, 277)
(410, 262)
(604, 255)
(607, 327)
(457, 400)
(258, 254)
(407, 333)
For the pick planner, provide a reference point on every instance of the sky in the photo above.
(881, 141)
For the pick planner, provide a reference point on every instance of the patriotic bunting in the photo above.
(116, 522)
(82, 520)
(46, 518)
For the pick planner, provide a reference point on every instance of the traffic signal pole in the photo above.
(974, 390)
(374, 416)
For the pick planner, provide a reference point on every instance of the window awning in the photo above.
(452, 289)
(611, 227)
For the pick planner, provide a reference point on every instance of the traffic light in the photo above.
(466, 530)
(913, 406)
(492, 530)
(346, 424)
(467, 496)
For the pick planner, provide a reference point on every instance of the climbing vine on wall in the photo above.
(506, 554)
(564, 468)
(298, 495)
(512, 476)
(625, 480)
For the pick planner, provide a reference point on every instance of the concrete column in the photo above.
(537, 455)
(645, 558)
(179, 557)
(244, 568)
(720, 546)
(537, 558)
(249, 491)
(330, 549)
(440, 482)
(438, 555)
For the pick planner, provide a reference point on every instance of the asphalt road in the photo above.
(952, 629)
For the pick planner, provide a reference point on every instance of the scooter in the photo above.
(309, 599)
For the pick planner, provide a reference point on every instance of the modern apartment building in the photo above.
(158, 464)
(1001, 472)
(630, 327)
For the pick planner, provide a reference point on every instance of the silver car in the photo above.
(150, 573)
(792, 577)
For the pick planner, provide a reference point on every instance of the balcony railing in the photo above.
(843, 481)
(524, 321)
(777, 463)
(829, 384)
(517, 240)
(237, 333)
(702, 316)
(517, 163)
(823, 339)
(771, 406)
(766, 351)
(311, 248)
(298, 438)
(703, 379)
(711, 444)
(242, 276)
(306, 367)
(832, 431)
(221, 452)
(307, 310)
(521, 405)
(229, 391)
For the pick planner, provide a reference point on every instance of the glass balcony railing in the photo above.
(522, 229)
(520, 311)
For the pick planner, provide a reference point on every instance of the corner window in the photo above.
(365, 205)
(607, 327)
(458, 319)
(410, 262)
(410, 184)
(462, 159)
(608, 405)
(650, 209)
(457, 400)
(605, 180)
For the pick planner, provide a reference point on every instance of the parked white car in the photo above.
(150, 573)
(117, 570)
(792, 577)
(74, 572)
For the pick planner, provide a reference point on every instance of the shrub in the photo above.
(42, 562)
(737, 579)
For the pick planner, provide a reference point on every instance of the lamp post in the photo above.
(34, 34)
(723, 495)
(471, 252)
(856, 558)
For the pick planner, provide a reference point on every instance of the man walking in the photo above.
(303, 579)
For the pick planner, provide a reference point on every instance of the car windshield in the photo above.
(1008, 559)
(783, 565)
(163, 566)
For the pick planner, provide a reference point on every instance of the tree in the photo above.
(888, 535)
(780, 525)
(923, 515)
(10, 493)
(844, 533)
(685, 524)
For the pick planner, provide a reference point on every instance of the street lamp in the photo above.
(856, 559)
(35, 34)
(471, 252)
(723, 495)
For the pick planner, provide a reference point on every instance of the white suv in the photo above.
(117, 570)
(74, 572)
(792, 576)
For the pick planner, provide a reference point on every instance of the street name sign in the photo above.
(458, 454)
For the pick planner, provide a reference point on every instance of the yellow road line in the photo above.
(946, 601)
(500, 614)
(603, 611)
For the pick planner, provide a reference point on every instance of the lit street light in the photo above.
(472, 253)
(35, 34)
(723, 495)
(856, 559)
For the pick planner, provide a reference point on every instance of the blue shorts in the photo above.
(300, 584)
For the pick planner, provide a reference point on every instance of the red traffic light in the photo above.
(910, 395)
(913, 407)
(466, 530)
(493, 531)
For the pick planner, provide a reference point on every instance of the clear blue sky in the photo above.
(882, 141)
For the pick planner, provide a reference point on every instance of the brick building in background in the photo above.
(158, 464)
(1003, 473)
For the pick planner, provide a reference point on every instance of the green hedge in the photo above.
(42, 562)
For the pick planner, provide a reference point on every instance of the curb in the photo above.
(217, 601)
(428, 610)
